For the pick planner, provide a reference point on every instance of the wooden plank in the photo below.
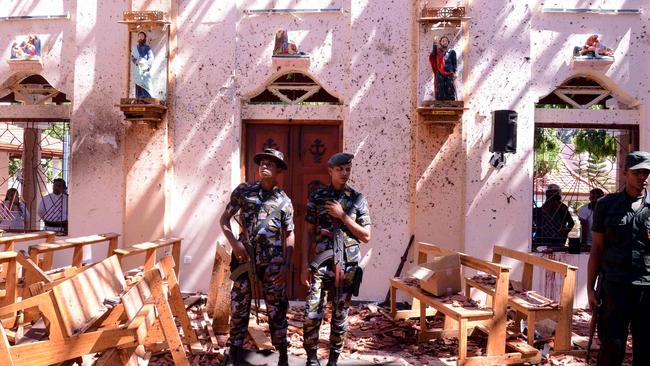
(497, 337)
(80, 298)
(208, 328)
(48, 235)
(563, 330)
(73, 242)
(5, 354)
(261, 340)
(178, 306)
(56, 351)
(165, 318)
(447, 309)
(218, 304)
(144, 247)
(546, 263)
(505, 359)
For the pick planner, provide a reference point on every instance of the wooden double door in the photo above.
(307, 145)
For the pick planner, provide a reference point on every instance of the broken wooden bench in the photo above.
(42, 254)
(95, 311)
(460, 320)
(149, 249)
(532, 305)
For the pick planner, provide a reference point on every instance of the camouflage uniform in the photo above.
(322, 278)
(256, 205)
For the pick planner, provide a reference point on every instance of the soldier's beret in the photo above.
(340, 159)
(637, 160)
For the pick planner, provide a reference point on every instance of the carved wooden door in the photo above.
(307, 147)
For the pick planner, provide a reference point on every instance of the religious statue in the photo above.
(444, 65)
(142, 58)
(593, 49)
(283, 46)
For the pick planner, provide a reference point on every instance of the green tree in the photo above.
(547, 151)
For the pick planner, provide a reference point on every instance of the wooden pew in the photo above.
(8, 243)
(459, 320)
(149, 250)
(77, 244)
(533, 311)
(94, 311)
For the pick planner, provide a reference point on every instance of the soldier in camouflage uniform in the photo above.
(266, 213)
(337, 207)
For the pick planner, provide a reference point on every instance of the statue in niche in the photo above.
(142, 58)
(593, 48)
(27, 48)
(444, 65)
(283, 46)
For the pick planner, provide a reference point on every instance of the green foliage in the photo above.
(15, 164)
(57, 130)
(547, 151)
(598, 143)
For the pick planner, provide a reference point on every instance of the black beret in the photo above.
(340, 159)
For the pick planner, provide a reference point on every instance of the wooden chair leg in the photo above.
(166, 319)
(531, 328)
(178, 306)
(462, 339)
(5, 353)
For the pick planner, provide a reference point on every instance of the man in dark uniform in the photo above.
(334, 211)
(266, 215)
(620, 256)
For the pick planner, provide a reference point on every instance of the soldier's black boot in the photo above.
(283, 359)
(334, 357)
(235, 356)
(312, 358)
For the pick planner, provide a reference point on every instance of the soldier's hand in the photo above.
(334, 209)
(593, 300)
(239, 251)
(305, 276)
(282, 275)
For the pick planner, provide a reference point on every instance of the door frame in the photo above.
(246, 123)
(280, 122)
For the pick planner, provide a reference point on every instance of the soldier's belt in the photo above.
(240, 270)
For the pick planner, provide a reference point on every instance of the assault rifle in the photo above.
(594, 317)
(248, 267)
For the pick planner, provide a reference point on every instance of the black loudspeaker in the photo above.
(504, 131)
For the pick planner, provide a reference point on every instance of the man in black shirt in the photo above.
(620, 256)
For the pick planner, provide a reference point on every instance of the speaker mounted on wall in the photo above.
(504, 136)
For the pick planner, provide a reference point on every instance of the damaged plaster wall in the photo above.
(498, 202)
(97, 155)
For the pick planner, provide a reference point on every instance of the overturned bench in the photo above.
(532, 305)
(95, 311)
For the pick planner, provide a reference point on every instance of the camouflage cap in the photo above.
(637, 160)
(340, 159)
(273, 154)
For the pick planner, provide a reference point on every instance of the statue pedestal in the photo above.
(142, 110)
(442, 112)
